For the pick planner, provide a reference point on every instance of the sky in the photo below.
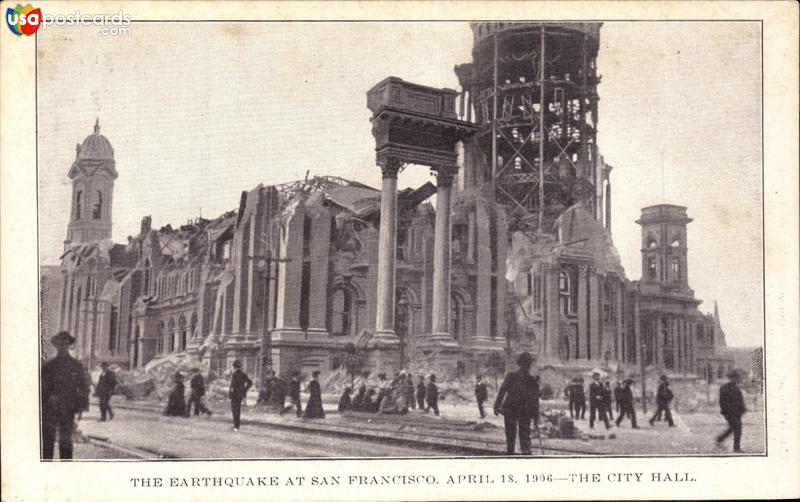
(198, 112)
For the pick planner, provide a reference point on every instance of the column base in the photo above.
(385, 338)
(445, 352)
(383, 359)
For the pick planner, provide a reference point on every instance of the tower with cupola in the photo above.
(92, 175)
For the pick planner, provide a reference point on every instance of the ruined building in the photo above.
(516, 255)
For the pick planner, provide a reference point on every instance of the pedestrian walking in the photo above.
(314, 404)
(731, 406)
(432, 395)
(663, 398)
(607, 404)
(294, 393)
(625, 403)
(176, 401)
(580, 399)
(596, 407)
(65, 393)
(617, 394)
(481, 394)
(421, 393)
(518, 401)
(240, 384)
(197, 389)
(106, 383)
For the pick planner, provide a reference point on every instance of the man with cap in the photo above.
(518, 401)
(106, 383)
(731, 406)
(197, 388)
(625, 403)
(240, 384)
(663, 398)
(65, 392)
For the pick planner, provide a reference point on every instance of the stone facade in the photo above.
(515, 257)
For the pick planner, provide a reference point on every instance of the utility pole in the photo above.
(264, 266)
(637, 325)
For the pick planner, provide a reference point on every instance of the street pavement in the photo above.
(139, 425)
(200, 438)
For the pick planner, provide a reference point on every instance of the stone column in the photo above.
(441, 254)
(387, 244)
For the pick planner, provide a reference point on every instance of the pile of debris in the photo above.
(156, 379)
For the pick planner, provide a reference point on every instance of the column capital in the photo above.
(444, 175)
(390, 166)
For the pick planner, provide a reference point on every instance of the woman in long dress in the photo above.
(314, 405)
(176, 404)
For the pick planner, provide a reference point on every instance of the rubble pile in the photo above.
(156, 379)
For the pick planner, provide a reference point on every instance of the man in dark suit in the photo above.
(481, 395)
(625, 403)
(663, 398)
(197, 386)
(596, 395)
(104, 389)
(294, 392)
(65, 392)
(731, 406)
(421, 393)
(240, 384)
(432, 395)
(518, 401)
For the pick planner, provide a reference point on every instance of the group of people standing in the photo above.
(65, 389)
(393, 397)
(602, 397)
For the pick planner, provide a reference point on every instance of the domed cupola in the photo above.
(95, 146)
(92, 174)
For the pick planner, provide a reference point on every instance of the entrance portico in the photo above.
(414, 124)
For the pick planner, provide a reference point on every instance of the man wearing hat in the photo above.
(625, 403)
(596, 394)
(106, 383)
(65, 392)
(294, 393)
(663, 398)
(197, 389)
(518, 401)
(240, 384)
(731, 406)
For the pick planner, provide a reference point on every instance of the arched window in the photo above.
(342, 302)
(97, 210)
(675, 269)
(160, 339)
(676, 243)
(566, 300)
(651, 243)
(608, 304)
(651, 268)
(171, 336)
(147, 273)
(78, 196)
(193, 326)
(456, 316)
(182, 333)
